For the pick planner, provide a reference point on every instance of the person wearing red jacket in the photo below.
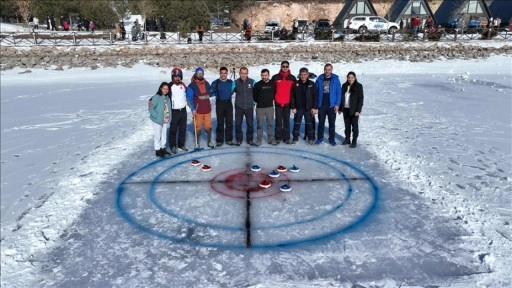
(284, 81)
(416, 23)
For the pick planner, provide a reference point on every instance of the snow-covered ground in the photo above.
(425, 200)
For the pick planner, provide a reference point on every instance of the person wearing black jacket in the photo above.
(352, 97)
(303, 103)
(263, 94)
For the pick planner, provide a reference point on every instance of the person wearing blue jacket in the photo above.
(328, 86)
(222, 89)
(159, 106)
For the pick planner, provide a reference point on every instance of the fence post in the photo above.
(179, 35)
(332, 36)
(272, 35)
(455, 35)
(146, 38)
(14, 38)
(393, 35)
(74, 38)
(488, 34)
(424, 34)
(35, 37)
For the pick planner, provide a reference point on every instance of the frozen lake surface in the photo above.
(424, 199)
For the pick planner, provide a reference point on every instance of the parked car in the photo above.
(299, 25)
(271, 25)
(362, 24)
(459, 23)
(479, 22)
(323, 25)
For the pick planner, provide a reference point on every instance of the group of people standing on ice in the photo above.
(272, 99)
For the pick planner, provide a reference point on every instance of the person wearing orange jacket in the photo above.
(284, 81)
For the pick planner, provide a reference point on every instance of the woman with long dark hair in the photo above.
(159, 107)
(352, 103)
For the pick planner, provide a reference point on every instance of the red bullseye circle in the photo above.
(236, 184)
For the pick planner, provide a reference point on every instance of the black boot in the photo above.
(354, 143)
(158, 153)
(347, 139)
(164, 152)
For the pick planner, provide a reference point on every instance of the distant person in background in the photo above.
(159, 107)
(117, 28)
(402, 24)
(311, 28)
(429, 23)
(200, 32)
(85, 24)
(352, 98)
(248, 32)
(154, 24)
(138, 28)
(123, 30)
(49, 23)
(92, 27)
(147, 24)
(61, 23)
(247, 29)
(416, 23)
(162, 27)
(162, 24)
(65, 25)
(52, 21)
(36, 23)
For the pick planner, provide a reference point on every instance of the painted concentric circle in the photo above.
(171, 199)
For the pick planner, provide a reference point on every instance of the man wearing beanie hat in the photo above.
(198, 96)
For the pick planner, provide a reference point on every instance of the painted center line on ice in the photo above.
(298, 217)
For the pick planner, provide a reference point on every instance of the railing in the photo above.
(43, 38)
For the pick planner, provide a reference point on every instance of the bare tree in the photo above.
(24, 8)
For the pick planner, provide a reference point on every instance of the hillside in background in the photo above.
(287, 11)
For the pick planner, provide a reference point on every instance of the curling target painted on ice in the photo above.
(232, 204)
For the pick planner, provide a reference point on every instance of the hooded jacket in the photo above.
(198, 96)
(284, 82)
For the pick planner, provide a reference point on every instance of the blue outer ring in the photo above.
(131, 220)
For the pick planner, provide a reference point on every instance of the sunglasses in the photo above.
(284, 66)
